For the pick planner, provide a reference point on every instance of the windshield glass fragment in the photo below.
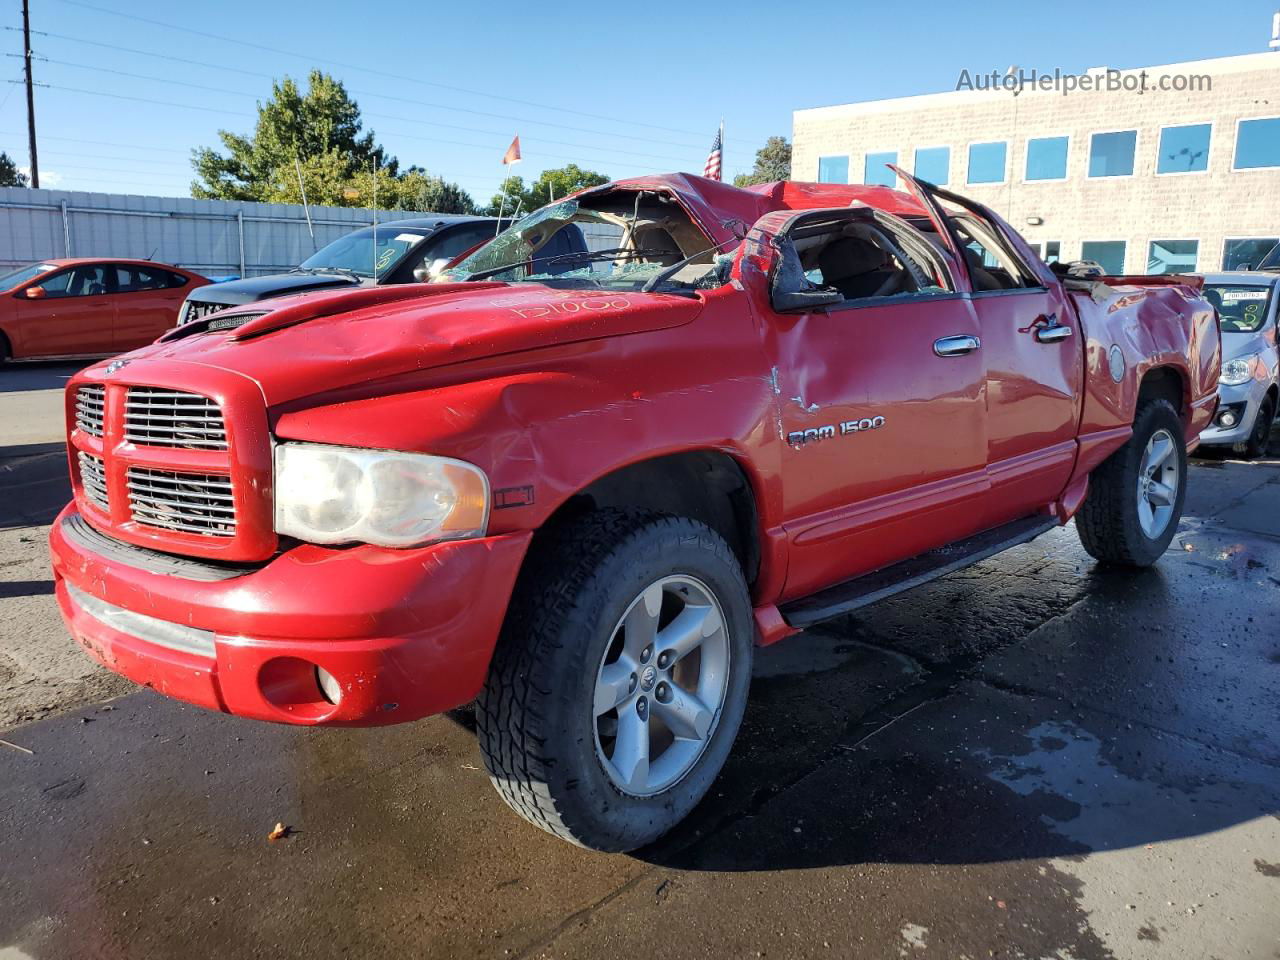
(631, 238)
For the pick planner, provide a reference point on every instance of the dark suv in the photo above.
(399, 251)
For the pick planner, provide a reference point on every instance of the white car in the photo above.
(1247, 303)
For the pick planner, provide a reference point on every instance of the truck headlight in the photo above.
(1236, 372)
(329, 494)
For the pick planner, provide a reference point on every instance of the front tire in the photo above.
(1135, 497)
(621, 677)
(1260, 435)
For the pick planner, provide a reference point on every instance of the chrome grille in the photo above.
(157, 417)
(187, 502)
(89, 405)
(93, 479)
(198, 310)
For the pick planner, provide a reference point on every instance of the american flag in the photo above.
(712, 168)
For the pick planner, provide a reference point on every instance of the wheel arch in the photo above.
(1166, 382)
(706, 485)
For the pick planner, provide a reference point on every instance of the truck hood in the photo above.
(321, 343)
(253, 289)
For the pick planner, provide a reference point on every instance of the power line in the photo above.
(432, 171)
(190, 106)
(361, 93)
(383, 73)
(384, 116)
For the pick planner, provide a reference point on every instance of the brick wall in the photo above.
(1209, 207)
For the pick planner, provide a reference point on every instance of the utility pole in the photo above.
(31, 100)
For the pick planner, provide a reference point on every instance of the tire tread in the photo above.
(512, 732)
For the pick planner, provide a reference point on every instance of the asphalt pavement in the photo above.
(1034, 757)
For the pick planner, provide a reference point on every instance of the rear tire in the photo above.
(1260, 435)
(5, 351)
(567, 741)
(1125, 518)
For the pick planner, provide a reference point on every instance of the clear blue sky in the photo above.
(640, 86)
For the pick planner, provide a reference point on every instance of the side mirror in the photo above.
(1245, 266)
(784, 301)
(34, 293)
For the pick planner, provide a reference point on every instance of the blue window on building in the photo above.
(1172, 256)
(1184, 149)
(986, 162)
(875, 172)
(1258, 143)
(1047, 158)
(1111, 154)
(833, 169)
(1109, 254)
(933, 164)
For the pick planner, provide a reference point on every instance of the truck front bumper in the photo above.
(353, 636)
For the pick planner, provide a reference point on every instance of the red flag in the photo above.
(513, 152)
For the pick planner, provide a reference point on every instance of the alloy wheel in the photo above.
(1157, 484)
(661, 685)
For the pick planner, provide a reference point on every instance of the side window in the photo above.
(57, 285)
(459, 240)
(992, 265)
(175, 279)
(80, 282)
(126, 280)
(856, 260)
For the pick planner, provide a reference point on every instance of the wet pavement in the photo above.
(1030, 758)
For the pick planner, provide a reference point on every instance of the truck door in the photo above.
(1032, 343)
(879, 380)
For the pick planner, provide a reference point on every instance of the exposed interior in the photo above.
(631, 235)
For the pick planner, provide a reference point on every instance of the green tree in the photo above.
(316, 134)
(553, 184)
(773, 162)
(419, 190)
(513, 188)
(10, 175)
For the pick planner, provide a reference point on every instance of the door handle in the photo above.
(956, 346)
(1047, 329)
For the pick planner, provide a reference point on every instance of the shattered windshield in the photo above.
(1243, 308)
(362, 254)
(622, 240)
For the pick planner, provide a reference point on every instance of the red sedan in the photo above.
(88, 307)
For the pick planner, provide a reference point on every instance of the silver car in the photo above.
(1249, 395)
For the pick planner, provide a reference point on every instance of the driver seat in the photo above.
(855, 267)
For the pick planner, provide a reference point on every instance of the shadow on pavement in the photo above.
(19, 451)
(25, 588)
(37, 375)
(1053, 717)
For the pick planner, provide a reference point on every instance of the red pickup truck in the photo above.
(579, 497)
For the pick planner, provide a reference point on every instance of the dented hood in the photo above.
(319, 343)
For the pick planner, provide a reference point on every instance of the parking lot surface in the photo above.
(1031, 758)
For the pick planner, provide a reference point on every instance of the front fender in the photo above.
(547, 424)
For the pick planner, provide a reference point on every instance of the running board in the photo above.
(873, 587)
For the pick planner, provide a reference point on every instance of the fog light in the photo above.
(328, 684)
(1228, 419)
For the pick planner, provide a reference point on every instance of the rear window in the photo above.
(1242, 307)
